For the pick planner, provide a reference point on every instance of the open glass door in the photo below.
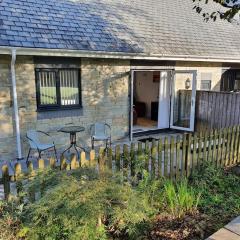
(183, 100)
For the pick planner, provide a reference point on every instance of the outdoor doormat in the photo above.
(147, 139)
(137, 130)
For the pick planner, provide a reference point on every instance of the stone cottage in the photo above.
(125, 63)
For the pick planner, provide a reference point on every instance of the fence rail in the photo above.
(169, 157)
(216, 110)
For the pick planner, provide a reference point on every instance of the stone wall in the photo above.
(7, 143)
(105, 89)
(215, 69)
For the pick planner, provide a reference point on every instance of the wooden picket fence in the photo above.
(171, 157)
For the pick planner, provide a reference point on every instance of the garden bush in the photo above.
(220, 193)
(83, 206)
(80, 204)
(10, 222)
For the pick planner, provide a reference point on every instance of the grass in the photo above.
(180, 198)
(220, 194)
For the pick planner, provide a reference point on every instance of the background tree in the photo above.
(228, 9)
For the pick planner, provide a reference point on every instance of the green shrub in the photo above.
(82, 206)
(220, 198)
(150, 189)
(180, 198)
(10, 213)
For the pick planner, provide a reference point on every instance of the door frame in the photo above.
(132, 72)
(193, 99)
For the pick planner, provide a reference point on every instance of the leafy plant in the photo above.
(220, 198)
(10, 213)
(180, 198)
(150, 189)
(82, 206)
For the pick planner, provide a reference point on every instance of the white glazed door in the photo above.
(183, 100)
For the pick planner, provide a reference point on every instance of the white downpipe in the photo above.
(15, 105)
(131, 104)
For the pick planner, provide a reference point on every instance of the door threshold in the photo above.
(155, 131)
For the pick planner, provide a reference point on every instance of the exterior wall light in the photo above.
(187, 84)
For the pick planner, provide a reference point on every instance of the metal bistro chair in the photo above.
(36, 144)
(100, 132)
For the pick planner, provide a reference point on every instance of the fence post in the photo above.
(133, 160)
(215, 137)
(63, 163)
(83, 161)
(172, 150)
(18, 175)
(30, 169)
(140, 148)
(73, 162)
(194, 154)
(236, 145)
(52, 162)
(31, 173)
(109, 158)
(228, 154)
(160, 148)
(200, 149)
(166, 147)
(223, 153)
(125, 160)
(210, 147)
(117, 158)
(205, 146)
(189, 153)
(92, 158)
(41, 164)
(232, 145)
(6, 181)
(219, 147)
(153, 158)
(184, 156)
(178, 145)
(147, 155)
(101, 160)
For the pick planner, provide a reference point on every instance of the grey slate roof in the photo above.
(167, 27)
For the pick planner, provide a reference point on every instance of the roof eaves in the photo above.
(115, 55)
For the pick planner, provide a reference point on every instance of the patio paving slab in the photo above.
(230, 232)
(234, 226)
(224, 234)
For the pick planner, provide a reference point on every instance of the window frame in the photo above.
(210, 85)
(58, 106)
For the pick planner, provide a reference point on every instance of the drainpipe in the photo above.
(15, 106)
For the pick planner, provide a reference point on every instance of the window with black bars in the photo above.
(58, 88)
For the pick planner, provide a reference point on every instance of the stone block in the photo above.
(224, 234)
(234, 226)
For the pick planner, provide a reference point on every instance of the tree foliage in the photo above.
(224, 9)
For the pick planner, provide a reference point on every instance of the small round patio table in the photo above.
(73, 130)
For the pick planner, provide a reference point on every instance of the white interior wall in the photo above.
(146, 90)
(164, 100)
